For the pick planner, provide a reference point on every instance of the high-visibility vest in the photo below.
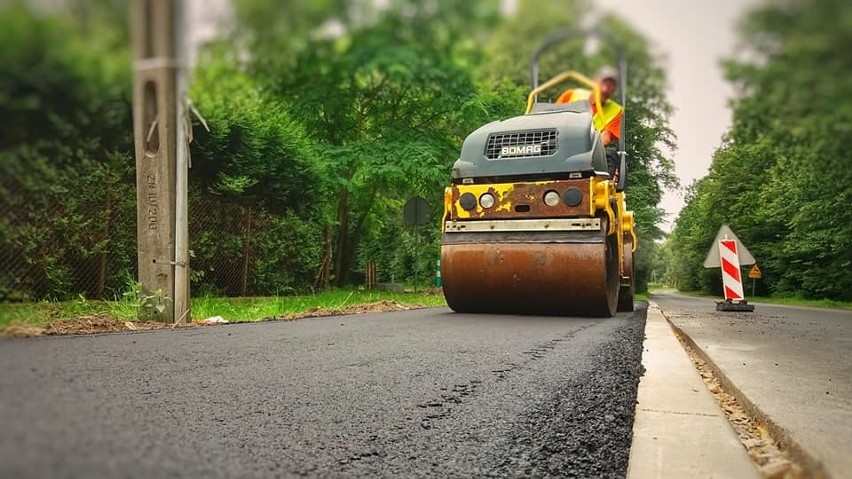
(611, 109)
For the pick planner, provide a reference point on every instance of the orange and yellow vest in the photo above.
(610, 117)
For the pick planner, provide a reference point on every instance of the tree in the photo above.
(781, 172)
(258, 187)
(387, 103)
(65, 158)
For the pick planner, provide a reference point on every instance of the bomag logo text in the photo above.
(519, 150)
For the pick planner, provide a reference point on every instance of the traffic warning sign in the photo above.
(714, 260)
(755, 272)
(728, 253)
(731, 279)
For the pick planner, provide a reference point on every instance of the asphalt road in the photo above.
(793, 363)
(422, 393)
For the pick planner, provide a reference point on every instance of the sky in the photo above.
(691, 36)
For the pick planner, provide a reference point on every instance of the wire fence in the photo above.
(64, 240)
(69, 231)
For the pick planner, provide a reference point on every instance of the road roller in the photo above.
(535, 219)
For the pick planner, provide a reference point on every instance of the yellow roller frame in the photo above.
(602, 191)
(577, 77)
(628, 224)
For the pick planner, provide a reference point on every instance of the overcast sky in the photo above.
(691, 35)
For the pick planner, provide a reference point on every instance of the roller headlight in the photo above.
(486, 200)
(467, 201)
(573, 196)
(551, 198)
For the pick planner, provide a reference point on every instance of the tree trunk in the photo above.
(342, 246)
(347, 242)
(322, 281)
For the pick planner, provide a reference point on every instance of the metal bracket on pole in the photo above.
(183, 132)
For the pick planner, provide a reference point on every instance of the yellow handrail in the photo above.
(568, 75)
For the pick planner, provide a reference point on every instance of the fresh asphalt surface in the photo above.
(422, 393)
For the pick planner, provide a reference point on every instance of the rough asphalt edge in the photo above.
(564, 439)
(553, 440)
(458, 392)
(812, 467)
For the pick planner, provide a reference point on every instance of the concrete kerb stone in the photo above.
(679, 429)
(781, 436)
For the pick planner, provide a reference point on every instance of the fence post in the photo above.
(102, 266)
(372, 273)
(247, 217)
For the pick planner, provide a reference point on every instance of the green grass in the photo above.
(798, 301)
(232, 309)
(43, 312)
(252, 309)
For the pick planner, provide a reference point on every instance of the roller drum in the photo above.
(577, 279)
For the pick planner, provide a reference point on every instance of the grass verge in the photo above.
(253, 309)
(232, 309)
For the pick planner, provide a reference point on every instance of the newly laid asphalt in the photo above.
(793, 364)
(421, 393)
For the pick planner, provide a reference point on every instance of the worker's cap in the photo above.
(608, 73)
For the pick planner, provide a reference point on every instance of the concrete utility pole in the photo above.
(158, 124)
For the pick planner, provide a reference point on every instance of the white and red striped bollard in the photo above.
(731, 275)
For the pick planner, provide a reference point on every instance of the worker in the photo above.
(607, 80)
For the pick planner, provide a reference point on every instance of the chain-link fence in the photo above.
(66, 232)
(247, 249)
(74, 235)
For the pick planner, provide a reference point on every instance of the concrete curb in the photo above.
(679, 429)
(791, 448)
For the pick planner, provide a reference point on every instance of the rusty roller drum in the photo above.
(571, 279)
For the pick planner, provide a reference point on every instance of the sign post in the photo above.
(416, 213)
(755, 274)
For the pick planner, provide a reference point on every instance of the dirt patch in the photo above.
(81, 325)
(377, 307)
(104, 324)
(772, 462)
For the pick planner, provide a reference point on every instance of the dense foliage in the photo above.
(66, 188)
(324, 118)
(782, 178)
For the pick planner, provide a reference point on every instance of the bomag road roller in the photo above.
(535, 220)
